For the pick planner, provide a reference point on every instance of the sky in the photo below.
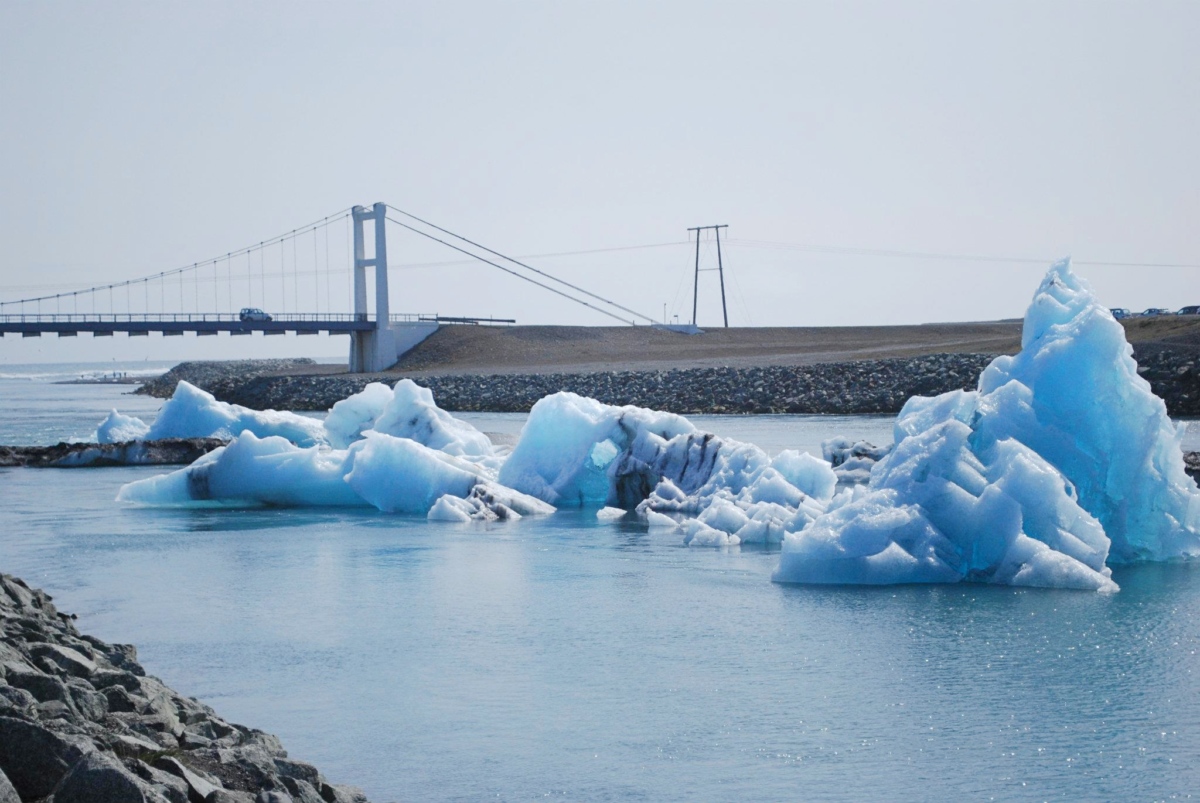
(876, 162)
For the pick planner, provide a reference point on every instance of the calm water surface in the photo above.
(566, 658)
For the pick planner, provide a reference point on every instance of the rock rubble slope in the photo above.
(80, 720)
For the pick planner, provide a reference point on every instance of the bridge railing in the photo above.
(182, 317)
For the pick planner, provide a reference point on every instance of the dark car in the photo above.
(1189, 311)
(253, 314)
(1120, 312)
(1150, 313)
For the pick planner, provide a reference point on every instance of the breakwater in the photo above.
(80, 720)
(855, 387)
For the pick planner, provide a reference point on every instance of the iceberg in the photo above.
(576, 451)
(195, 413)
(350, 417)
(117, 428)
(395, 475)
(1061, 462)
(255, 471)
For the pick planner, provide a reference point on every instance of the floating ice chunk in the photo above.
(658, 521)
(117, 428)
(392, 474)
(569, 443)
(611, 513)
(488, 502)
(412, 414)
(578, 451)
(194, 413)
(852, 461)
(1062, 461)
(348, 418)
(252, 470)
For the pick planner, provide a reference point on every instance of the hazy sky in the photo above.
(141, 137)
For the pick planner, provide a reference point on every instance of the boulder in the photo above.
(64, 659)
(99, 777)
(34, 758)
(7, 793)
(199, 788)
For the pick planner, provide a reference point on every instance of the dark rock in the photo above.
(230, 796)
(7, 793)
(14, 699)
(81, 715)
(273, 797)
(34, 758)
(120, 700)
(42, 686)
(199, 788)
(302, 791)
(172, 788)
(98, 777)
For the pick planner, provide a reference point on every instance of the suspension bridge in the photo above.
(282, 285)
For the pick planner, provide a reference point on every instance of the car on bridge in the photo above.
(253, 314)
(1154, 311)
(1189, 311)
(1120, 312)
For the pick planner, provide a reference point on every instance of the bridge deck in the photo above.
(200, 323)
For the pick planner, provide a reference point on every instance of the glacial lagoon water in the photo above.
(572, 659)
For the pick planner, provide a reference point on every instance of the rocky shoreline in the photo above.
(81, 721)
(167, 451)
(856, 387)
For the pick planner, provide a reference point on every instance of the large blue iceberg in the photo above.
(1060, 464)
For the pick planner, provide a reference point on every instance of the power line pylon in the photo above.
(720, 271)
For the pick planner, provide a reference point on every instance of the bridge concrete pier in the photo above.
(374, 349)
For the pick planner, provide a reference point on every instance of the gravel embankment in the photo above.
(206, 373)
(81, 721)
(861, 386)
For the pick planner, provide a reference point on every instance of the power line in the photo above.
(892, 253)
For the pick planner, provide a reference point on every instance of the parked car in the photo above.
(253, 314)
(1150, 313)
(1189, 311)
(1120, 312)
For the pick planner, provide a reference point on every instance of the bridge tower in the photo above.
(373, 350)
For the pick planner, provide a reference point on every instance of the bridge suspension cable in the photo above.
(521, 264)
(194, 269)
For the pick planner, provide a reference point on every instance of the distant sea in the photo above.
(571, 659)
